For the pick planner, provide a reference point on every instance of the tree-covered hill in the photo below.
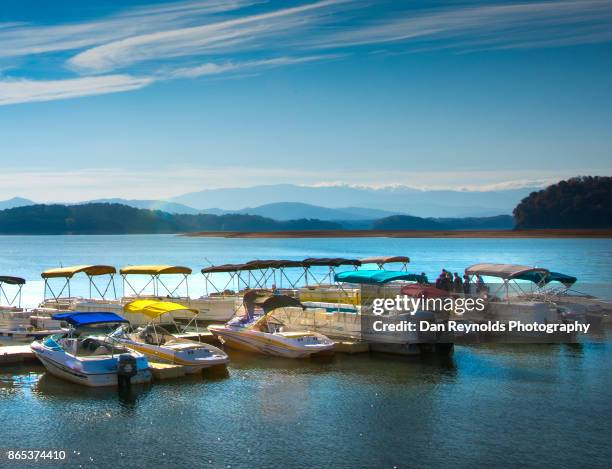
(103, 218)
(580, 202)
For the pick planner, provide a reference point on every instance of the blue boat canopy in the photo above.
(84, 319)
(376, 277)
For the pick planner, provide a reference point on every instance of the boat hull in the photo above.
(103, 373)
(267, 344)
(165, 355)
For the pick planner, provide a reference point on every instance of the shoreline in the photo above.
(539, 233)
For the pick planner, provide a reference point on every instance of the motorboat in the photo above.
(83, 355)
(159, 344)
(261, 332)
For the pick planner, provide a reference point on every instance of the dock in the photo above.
(161, 371)
(15, 354)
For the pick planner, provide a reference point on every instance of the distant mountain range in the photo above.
(335, 203)
(295, 210)
(170, 207)
(402, 199)
(15, 202)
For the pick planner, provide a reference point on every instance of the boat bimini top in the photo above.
(78, 319)
(382, 260)
(155, 271)
(510, 273)
(376, 277)
(538, 275)
(154, 309)
(91, 271)
(13, 281)
(261, 271)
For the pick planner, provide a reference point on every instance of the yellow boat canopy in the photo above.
(155, 269)
(68, 272)
(155, 309)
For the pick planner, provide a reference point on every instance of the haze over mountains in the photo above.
(290, 202)
(401, 199)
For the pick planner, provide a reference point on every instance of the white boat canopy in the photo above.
(503, 271)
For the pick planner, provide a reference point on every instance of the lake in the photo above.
(495, 405)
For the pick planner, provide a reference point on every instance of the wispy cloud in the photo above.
(211, 38)
(519, 25)
(189, 39)
(227, 67)
(21, 39)
(24, 91)
(13, 91)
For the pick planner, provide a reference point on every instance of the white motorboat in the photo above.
(156, 342)
(83, 355)
(259, 331)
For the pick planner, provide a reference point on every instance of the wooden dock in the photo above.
(15, 354)
(163, 371)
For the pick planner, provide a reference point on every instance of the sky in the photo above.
(149, 100)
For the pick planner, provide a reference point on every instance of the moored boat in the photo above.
(157, 342)
(84, 356)
(260, 331)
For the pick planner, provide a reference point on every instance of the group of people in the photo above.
(453, 283)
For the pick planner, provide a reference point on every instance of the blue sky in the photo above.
(146, 99)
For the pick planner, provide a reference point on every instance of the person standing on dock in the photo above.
(457, 283)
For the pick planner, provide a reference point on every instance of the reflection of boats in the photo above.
(17, 324)
(156, 342)
(260, 331)
(84, 356)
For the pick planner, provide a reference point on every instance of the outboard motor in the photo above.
(126, 368)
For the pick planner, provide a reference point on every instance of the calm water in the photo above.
(486, 406)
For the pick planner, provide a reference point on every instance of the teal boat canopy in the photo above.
(545, 277)
(376, 277)
(566, 280)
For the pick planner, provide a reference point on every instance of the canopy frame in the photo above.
(179, 327)
(381, 261)
(508, 274)
(156, 281)
(90, 272)
(14, 298)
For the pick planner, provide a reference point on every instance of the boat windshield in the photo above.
(51, 342)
